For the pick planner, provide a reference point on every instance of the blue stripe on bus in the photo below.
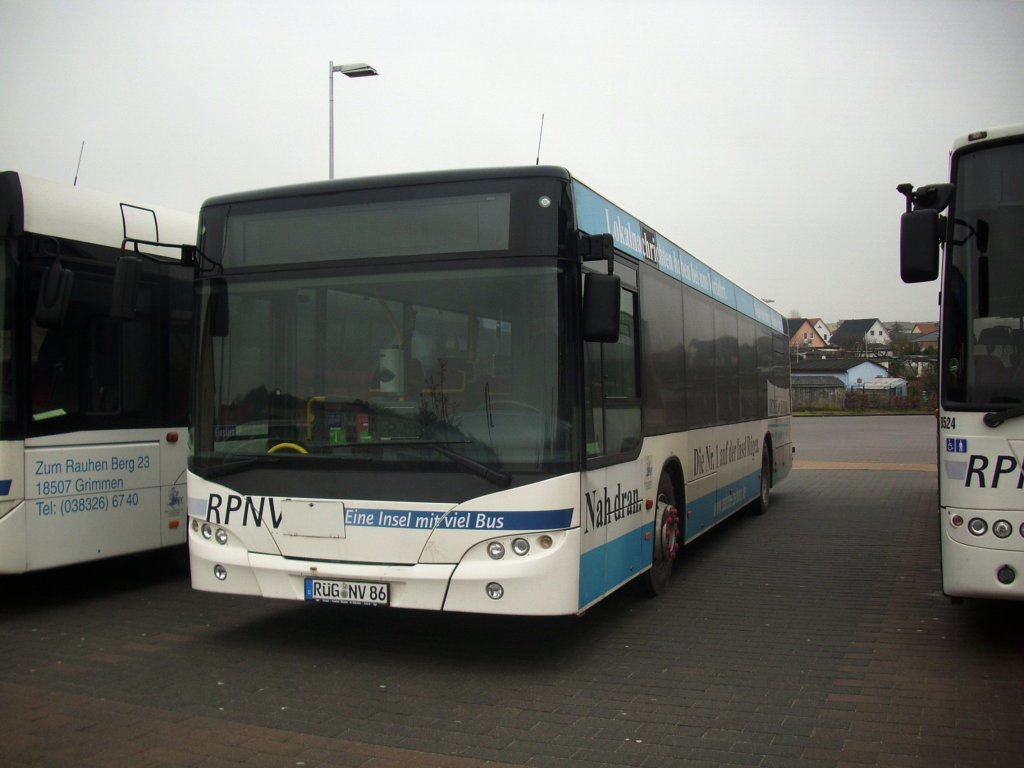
(713, 508)
(477, 520)
(607, 567)
(5, 487)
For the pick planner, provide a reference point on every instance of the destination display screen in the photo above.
(341, 232)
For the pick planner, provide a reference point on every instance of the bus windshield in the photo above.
(457, 369)
(983, 305)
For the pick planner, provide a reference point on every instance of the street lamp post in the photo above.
(349, 70)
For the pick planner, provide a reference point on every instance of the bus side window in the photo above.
(102, 357)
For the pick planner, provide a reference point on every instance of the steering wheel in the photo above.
(287, 447)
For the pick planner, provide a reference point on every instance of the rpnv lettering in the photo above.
(255, 510)
(982, 473)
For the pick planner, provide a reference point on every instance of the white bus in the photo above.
(487, 391)
(93, 409)
(981, 358)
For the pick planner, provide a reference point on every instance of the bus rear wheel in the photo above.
(667, 538)
(764, 496)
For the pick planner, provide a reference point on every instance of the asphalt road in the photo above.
(815, 635)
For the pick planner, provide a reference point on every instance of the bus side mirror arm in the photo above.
(128, 273)
(937, 197)
(597, 247)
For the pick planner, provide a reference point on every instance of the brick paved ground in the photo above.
(814, 636)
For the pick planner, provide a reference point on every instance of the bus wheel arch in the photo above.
(668, 530)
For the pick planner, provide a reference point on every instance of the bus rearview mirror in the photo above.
(601, 297)
(54, 296)
(217, 311)
(125, 294)
(919, 245)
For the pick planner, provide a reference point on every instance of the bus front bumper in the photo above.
(978, 571)
(468, 586)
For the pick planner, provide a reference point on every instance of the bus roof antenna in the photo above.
(78, 167)
(540, 137)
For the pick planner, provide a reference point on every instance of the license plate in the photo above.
(352, 592)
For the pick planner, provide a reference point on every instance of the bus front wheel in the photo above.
(667, 537)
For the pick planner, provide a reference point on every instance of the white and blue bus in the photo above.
(93, 409)
(487, 391)
(981, 357)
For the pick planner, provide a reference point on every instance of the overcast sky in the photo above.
(765, 137)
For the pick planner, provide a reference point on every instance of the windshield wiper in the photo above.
(234, 467)
(995, 418)
(495, 476)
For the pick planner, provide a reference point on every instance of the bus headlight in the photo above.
(220, 572)
(495, 591)
(977, 526)
(1002, 529)
(521, 547)
(496, 550)
(221, 536)
(207, 531)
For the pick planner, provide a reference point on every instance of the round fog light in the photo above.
(207, 531)
(221, 536)
(977, 526)
(521, 547)
(496, 550)
(495, 591)
(1006, 575)
(1002, 529)
(220, 572)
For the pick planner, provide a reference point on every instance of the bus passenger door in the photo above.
(614, 547)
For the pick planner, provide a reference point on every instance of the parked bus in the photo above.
(93, 409)
(489, 391)
(981, 358)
